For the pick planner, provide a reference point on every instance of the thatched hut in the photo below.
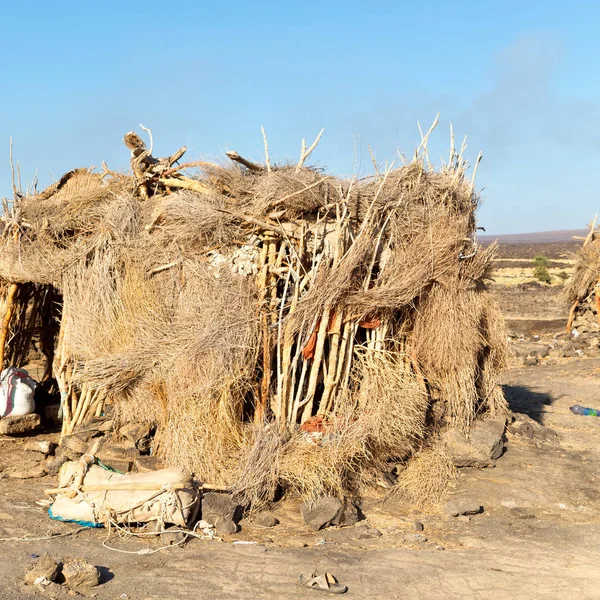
(583, 288)
(282, 328)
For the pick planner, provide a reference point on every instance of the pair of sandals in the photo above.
(322, 583)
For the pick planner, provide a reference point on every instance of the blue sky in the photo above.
(521, 81)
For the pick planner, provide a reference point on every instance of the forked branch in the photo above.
(306, 153)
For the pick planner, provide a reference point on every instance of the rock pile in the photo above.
(536, 350)
(50, 576)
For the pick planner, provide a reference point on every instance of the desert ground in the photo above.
(537, 536)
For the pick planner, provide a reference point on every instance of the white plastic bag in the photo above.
(16, 392)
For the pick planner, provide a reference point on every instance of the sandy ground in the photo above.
(537, 538)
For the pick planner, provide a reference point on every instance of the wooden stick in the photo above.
(279, 411)
(572, 315)
(590, 235)
(186, 184)
(123, 486)
(316, 365)
(262, 288)
(188, 165)
(267, 159)
(233, 155)
(253, 221)
(10, 301)
(298, 192)
(306, 153)
(331, 382)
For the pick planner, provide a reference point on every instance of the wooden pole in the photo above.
(10, 303)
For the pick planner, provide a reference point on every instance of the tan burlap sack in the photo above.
(166, 495)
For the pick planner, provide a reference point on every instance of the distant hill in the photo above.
(540, 237)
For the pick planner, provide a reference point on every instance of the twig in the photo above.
(149, 131)
(304, 189)
(479, 157)
(252, 220)
(12, 169)
(163, 268)
(590, 235)
(233, 155)
(186, 184)
(307, 153)
(267, 160)
(374, 161)
(188, 165)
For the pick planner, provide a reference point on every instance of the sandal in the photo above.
(323, 583)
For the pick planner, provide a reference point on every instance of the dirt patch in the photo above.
(541, 506)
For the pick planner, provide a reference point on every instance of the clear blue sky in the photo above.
(521, 79)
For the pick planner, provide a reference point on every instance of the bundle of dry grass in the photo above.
(582, 290)
(282, 327)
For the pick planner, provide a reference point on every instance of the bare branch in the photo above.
(233, 155)
(149, 131)
(12, 168)
(307, 153)
(479, 157)
(267, 160)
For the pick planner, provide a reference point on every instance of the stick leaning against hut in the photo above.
(280, 326)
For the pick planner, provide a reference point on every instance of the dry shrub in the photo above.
(426, 478)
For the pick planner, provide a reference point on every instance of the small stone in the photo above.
(415, 537)
(19, 424)
(419, 526)
(544, 351)
(530, 361)
(173, 536)
(143, 464)
(225, 526)
(117, 457)
(321, 513)
(368, 533)
(220, 506)
(44, 567)
(44, 446)
(30, 469)
(53, 464)
(478, 449)
(105, 425)
(463, 506)
(121, 466)
(75, 443)
(347, 516)
(265, 519)
(487, 437)
(80, 575)
(524, 426)
(135, 432)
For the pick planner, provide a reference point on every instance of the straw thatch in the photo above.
(582, 289)
(282, 327)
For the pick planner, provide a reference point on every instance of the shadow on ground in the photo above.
(522, 399)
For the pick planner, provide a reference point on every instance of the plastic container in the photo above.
(582, 410)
